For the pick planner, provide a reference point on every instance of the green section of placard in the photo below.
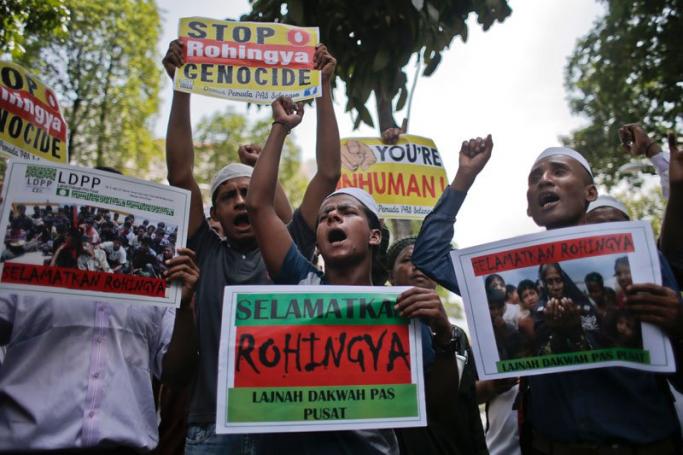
(316, 309)
(573, 358)
(280, 404)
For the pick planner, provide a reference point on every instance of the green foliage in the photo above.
(648, 204)
(626, 69)
(218, 137)
(373, 40)
(22, 18)
(107, 74)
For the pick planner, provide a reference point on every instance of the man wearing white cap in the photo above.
(235, 259)
(605, 209)
(606, 410)
(348, 235)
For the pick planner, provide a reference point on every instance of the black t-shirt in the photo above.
(220, 266)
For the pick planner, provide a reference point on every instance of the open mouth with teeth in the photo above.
(547, 199)
(336, 236)
(242, 220)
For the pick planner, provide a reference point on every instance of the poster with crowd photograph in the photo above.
(31, 123)
(77, 231)
(571, 312)
(317, 358)
(247, 61)
(405, 179)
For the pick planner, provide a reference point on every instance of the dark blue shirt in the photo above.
(600, 405)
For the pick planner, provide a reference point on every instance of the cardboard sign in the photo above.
(317, 358)
(77, 231)
(571, 313)
(248, 61)
(405, 179)
(31, 124)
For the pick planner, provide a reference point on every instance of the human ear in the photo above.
(591, 192)
(375, 237)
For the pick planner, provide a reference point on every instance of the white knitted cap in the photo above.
(566, 151)
(231, 171)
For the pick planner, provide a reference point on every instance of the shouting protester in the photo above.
(591, 411)
(348, 236)
(235, 259)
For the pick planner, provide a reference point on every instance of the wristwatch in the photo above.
(451, 347)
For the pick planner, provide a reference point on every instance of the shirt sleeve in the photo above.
(433, 245)
(8, 306)
(661, 163)
(302, 235)
(204, 238)
(165, 331)
(295, 268)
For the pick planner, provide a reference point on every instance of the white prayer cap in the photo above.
(607, 201)
(231, 171)
(362, 196)
(566, 151)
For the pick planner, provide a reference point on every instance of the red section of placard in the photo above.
(319, 355)
(246, 54)
(24, 106)
(62, 277)
(546, 253)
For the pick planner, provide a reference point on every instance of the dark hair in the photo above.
(489, 279)
(525, 285)
(594, 277)
(509, 290)
(380, 273)
(108, 169)
(622, 260)
(396, 248)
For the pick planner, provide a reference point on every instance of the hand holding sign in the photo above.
(425, 303)
(184, 269)
(391, 135)
(325, 62)
(658, 305)
(173, 58)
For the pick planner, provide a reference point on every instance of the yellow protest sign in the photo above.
(247, 61)
(406, 179)
(31, 124)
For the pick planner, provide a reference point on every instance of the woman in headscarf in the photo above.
(565, 319)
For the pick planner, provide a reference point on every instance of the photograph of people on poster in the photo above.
(555, 301)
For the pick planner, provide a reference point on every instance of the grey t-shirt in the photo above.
(221, 266)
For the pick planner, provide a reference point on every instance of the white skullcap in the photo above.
(231, 171)
(607, 201)
(362, 196)
(566, 151)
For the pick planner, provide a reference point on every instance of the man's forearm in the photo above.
(328, 155)
(179, 148)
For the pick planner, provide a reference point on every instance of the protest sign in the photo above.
(247, 61)
(572, 314)
(317, 358)
(31, 124)
(75, 231)
(406, 179)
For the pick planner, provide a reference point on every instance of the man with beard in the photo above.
(592, 411)
(235, 259)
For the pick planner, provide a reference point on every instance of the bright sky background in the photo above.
(507, 82)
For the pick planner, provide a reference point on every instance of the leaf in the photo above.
(402, 98)
(381, 60)
(418, 4)
(432, 65)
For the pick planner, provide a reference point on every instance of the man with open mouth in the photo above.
(613, 410)
(236, 258)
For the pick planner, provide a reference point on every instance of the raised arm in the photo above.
(248, 155)
(636, 142)
(271, 233)
(179, 148)
(327, 151)
(433, 245)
